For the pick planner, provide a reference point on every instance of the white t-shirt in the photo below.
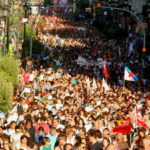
(88, 109)
(25, 106)
(31, 77)
(20, 147)
(72, 141)
(15, 139)
(60, 126)
(9, 132)
(88, 127)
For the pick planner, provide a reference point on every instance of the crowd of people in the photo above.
(62, 105)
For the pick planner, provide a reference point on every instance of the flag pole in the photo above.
(124, 83)
(136, 121)
(130, 140)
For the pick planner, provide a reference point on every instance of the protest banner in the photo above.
(59, 41)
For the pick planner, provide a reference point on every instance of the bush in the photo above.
(11, 67)
(6, 94)
(6, 77)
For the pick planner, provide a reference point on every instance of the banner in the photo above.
(59, 41)
(81, 28)
(88, 63)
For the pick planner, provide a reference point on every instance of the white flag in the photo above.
(94, 84)
(105, 85)
(88, 82)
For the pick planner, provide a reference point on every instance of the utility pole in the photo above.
(25, 16)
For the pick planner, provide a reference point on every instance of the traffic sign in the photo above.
(144, 24)
(88, 9)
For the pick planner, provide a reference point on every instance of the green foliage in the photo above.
(36, 49)
(110, 29)
(6, 94)
(37, 46)
(28, 31)
(11, 67)
(6, 77)
(47, 2)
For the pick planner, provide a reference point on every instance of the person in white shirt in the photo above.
(15, 138)
(70, 137)
(89, 125)
(89, 107)
(23, 143)
(11, 130)
(57, 125)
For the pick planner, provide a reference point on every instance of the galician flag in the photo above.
(129, 76)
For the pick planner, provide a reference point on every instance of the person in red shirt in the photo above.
(28, 102)
(42, 124)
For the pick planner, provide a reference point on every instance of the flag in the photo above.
(140, 120)
(88, 82)
(105, 85)
(94, 84)
(95, 51)
(129, 76)
(130, 49)
(124, 127)
(105, 70)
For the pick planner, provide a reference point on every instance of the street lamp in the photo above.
(25, 15)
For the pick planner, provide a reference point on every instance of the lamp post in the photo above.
(25, 16)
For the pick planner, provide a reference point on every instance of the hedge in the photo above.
(11, 67)
(6, 94)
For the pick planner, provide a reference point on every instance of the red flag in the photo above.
(124, 127)
(140, 120)
(105, 70)
(95, 51)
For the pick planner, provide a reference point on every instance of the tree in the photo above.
(11, 67)
(47, 2)
(6, 94)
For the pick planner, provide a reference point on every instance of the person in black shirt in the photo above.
(94, 144)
